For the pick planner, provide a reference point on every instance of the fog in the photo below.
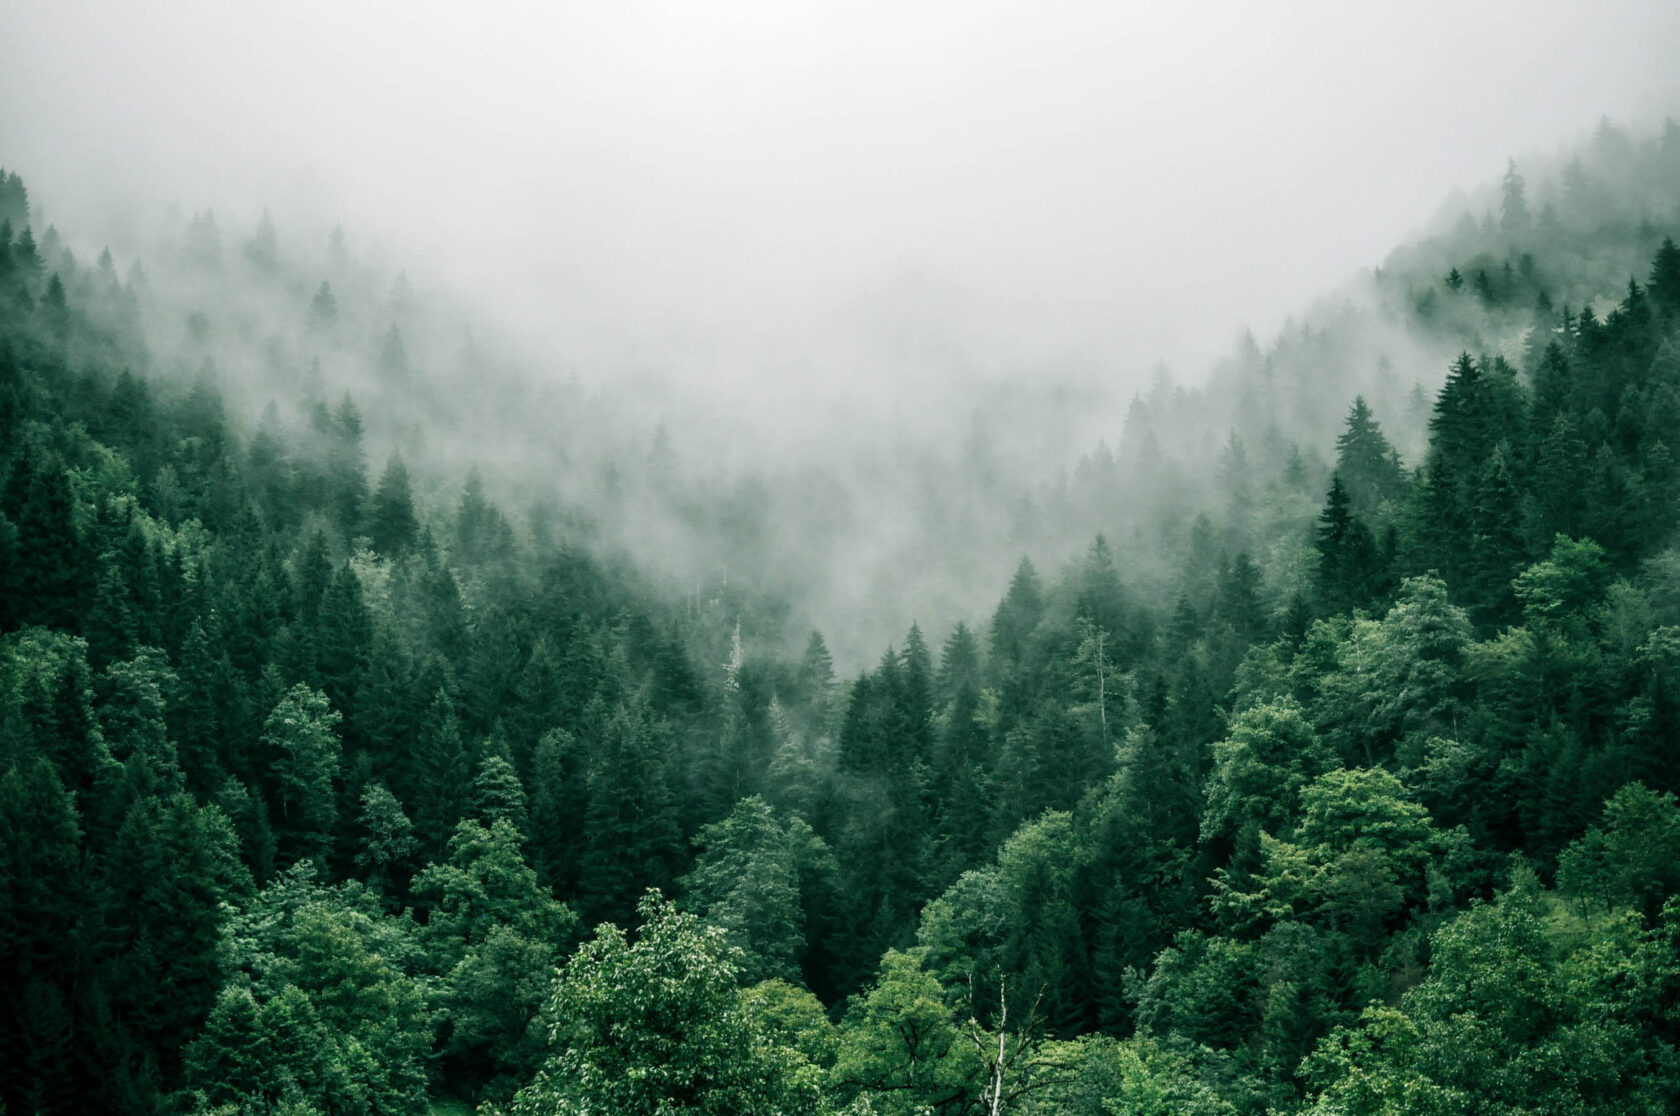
(734, 190)
(792, 226)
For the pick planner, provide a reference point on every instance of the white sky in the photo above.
(738, 186)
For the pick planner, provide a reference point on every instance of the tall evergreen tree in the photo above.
(1347, 554)
(391, 524)
(347, 468)
(1367, 464)
(1018, 615)
(1664, 283)
(299, 733)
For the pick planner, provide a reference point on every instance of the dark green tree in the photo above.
(299, 734)
(392, 527)
(1347, 554)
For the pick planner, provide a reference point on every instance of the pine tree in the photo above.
(558, 803)
(497, 793)
(1496, 545)
(161, 906)
(1239, 603)
(631, 835)
(299, 733)
(1560, 478)
(1459, 428)
(55, 308)
(438, 775)
(815, 678)
(43, 946)
(481, 533)
(195, 720)
(50, 571)
(1017, 616)
(347, 468)
(1347, 554)
(916, 694)
(1367, 464)
(959, 664)
(323, 308)
(1663, 286)
(1514, 218)
(1102, 598)
(391, 526)
(344, 639)
(14, 200)
(1554, 387)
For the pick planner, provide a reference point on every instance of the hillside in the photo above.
(1317, 754)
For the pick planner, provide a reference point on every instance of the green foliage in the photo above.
(750, 878)
(299, 733)
(1633, 859)
(901, 1047)
(1361, 854)
(1259, 770)
(1150, 1080)
(1229, 775)
(1514, 1016)
(495, 935)
(317, 1010)
(658, 1025)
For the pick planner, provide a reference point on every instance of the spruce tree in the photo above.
(299, 734)
(1347, 554)
(1017, 615)
(1664, 283)
(392, 526)
(1367, 464)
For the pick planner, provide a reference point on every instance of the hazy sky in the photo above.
(745, 188)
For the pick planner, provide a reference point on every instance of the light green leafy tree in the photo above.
(901, 1047)
(658, 1025)
(318, 1010)
(1362, 853)
(1521, 1012)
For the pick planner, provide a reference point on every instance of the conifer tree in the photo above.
(1664, 283)
(392, 527)
(1018, 615)
(50, 572)
(1514, 217)
(631, 835)
(1367, 464)
(959, 664)
(438, 774)
(323, 308)
(299, 733)
(1347, 554)
(497, 792)
(43, 928)
(347, 468)
(344, 638)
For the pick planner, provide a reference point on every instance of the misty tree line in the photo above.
(308, 783)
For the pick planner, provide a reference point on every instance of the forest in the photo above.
(1318, 756)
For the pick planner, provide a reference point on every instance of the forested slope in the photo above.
(1335, 787)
